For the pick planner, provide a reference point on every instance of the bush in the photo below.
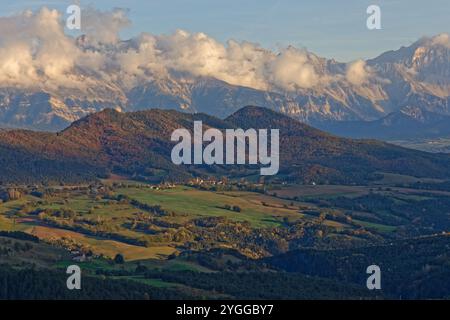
(119, 259)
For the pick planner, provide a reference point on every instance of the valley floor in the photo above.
(177, 239)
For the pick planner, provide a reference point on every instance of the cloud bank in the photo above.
(36, 52)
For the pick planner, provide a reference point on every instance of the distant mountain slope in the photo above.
(408, 123)
(138, 144)
(417, 76)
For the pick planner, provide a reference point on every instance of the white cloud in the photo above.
(357, 72)
(237, 63)
(442, 39)
(292, 69)
(35, 52)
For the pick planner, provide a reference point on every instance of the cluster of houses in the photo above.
(81, 256)
(207, 181)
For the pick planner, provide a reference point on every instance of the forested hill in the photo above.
(138, 144)
(410, 268)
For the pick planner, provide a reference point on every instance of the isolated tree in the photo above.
(119, 259)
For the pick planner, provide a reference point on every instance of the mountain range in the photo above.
(408, 123)
(416, 77)
(138, 145)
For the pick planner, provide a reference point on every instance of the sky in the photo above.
(330, 28)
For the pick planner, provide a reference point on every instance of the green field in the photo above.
(305, 192)
(191, 202)
(111, 224)
(378, 227)
(169, 229)
(40, 255)
(187, 203)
